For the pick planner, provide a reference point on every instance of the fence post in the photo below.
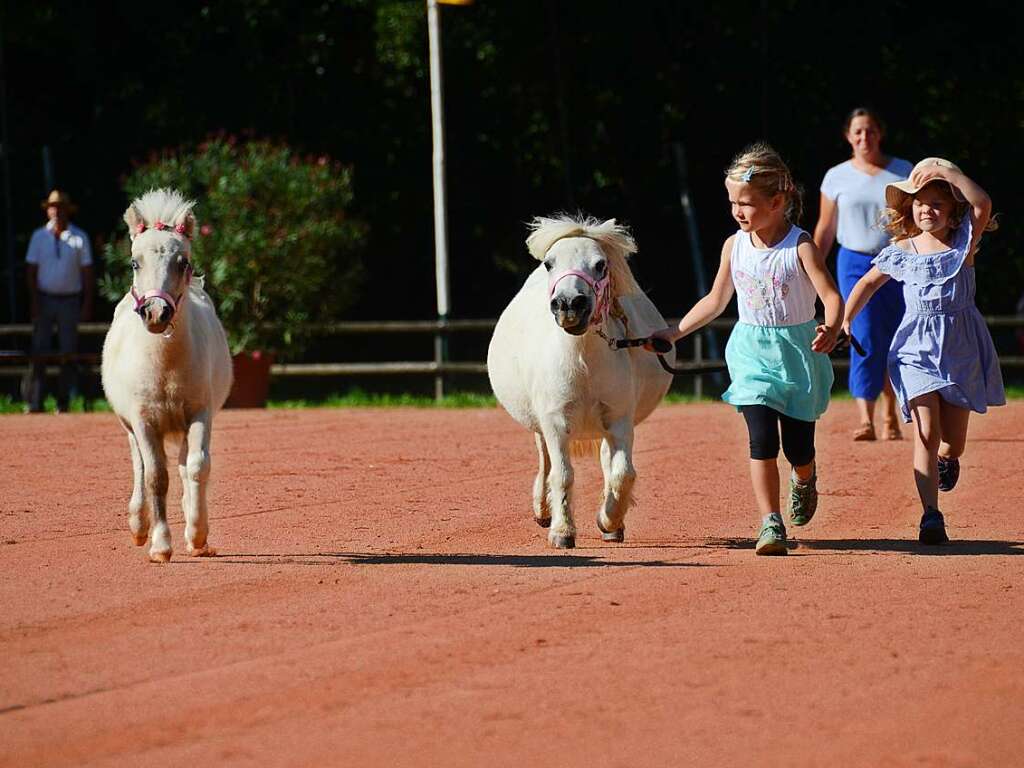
(698, 356)
(439, 358)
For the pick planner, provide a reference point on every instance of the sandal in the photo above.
(892, 431)
(864, 432)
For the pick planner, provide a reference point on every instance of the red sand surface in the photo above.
(383, 597)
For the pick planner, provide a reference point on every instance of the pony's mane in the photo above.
(166, 205)
(614, 239)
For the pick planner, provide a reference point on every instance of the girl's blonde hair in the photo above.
(762, 167)
(899, 221)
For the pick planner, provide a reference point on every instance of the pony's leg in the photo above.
(619, 476)
(138, 513)
(186, 495)
(560, 480)
(541, 510)
(154, 463)
(195, 476)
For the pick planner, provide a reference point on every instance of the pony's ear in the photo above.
(133, 219)
(610, 223)
(186, 225)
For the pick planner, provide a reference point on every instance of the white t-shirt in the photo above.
(60, 261)
(860, 199)
(771, 285)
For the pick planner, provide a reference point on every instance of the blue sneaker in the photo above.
(933, 527)
(772, 539)
(949, 473)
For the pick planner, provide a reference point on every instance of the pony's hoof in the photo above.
(160, 557)
(204, 551)
(618, 535)
(140, 539)
(543, 522)
(562, 542)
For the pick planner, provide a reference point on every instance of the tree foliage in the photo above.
(549, 105)
(273, 241)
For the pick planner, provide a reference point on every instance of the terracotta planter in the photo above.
(252, 380)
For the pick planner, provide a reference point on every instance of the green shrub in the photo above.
(273, 240)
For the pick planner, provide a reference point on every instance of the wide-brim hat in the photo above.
(60, 199)
(897, 192)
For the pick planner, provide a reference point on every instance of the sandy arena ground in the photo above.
(383, 597)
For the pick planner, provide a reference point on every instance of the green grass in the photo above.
(357, 398)
(78, 405)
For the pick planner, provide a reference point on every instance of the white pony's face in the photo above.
(577, 279)
(161, 272)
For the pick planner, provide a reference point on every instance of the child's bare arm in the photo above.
(862, 292)
(814, 265)
(709, 307)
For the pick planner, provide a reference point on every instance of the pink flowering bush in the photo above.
(274, 242)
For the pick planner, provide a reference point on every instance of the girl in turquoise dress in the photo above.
(942, 361)
(778, 352)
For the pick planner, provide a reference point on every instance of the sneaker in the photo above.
(933, 527)
(949, 473)
(803, 499)
(772, 539)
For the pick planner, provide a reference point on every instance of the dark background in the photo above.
(549, 106)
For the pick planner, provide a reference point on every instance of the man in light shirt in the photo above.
(60, 286)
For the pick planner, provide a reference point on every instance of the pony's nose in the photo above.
(576, 306)
(156, 312)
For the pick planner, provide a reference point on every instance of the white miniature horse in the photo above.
(166, 371)
(552, 368)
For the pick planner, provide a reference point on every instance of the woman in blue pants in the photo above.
(852, 200)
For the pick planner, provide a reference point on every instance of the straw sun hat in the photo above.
(60, 199)
(897, 192)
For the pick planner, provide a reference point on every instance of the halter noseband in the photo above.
(599, 287)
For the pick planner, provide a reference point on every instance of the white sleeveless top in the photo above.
(771, 285)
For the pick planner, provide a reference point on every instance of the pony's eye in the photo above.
(601, 266)
(135, 264)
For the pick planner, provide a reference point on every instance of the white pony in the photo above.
(552, 368)
(166, 371)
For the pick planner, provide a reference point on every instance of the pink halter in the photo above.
(140, 301)
(599, 287)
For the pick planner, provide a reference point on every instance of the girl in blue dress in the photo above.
(778, 352)
(942, 361)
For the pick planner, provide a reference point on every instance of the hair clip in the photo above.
(159, 225)
(749, 173)
(180, 228)
(140, 228)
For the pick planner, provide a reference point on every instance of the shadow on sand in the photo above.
(906, 546)
(405, 558)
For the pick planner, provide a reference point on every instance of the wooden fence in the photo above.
(16, 360)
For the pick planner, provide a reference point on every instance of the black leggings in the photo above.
(763, 425)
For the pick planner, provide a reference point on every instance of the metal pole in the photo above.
(5, 152)
(47, 170)
(440, 210)
(696, 256)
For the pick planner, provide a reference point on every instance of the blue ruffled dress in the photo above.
(943, 344)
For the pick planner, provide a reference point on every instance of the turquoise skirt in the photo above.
(775, 366)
